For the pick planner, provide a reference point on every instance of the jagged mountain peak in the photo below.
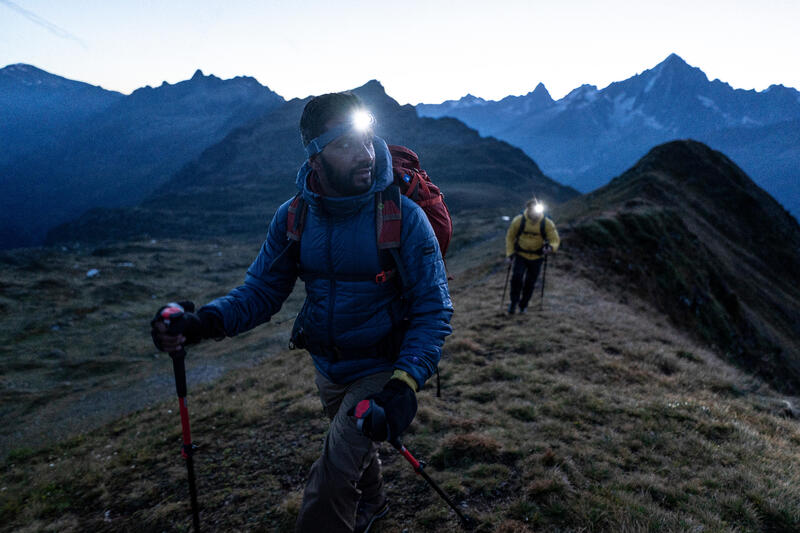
(584, 94)
(373, 91)
(673, 72)
(200, 83)
(372, 87)
(541, 94)
(470, 98)
(675, 60)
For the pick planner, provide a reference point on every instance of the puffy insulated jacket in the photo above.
(530, 240)
(347, 315)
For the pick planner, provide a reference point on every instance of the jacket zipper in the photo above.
(332, 283)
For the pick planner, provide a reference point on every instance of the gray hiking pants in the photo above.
(348, 468)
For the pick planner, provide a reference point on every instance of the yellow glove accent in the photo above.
(405, 377)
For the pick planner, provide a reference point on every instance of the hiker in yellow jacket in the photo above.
(529, 238)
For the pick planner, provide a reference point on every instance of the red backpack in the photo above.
(410, 181)
(414, 183)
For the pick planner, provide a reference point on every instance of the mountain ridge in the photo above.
(689, 231)
(592, 135)
(121, 151)
(235, 184)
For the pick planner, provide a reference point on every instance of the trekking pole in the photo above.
(172, 315)
(467, 522)
(544, 277)
(505, 285)
(368, 408)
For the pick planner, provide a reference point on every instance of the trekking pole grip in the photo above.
(179, 368)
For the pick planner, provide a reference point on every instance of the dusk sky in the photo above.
(421, 51)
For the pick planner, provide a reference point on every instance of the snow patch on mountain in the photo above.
(652, 81)
(708, 102)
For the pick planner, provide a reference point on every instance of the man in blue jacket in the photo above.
(367, 338)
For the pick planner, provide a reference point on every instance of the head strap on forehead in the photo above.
(361, 120)
(317, 144)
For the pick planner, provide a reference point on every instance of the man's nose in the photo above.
(366, 153)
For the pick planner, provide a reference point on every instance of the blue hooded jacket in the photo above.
(345, 317)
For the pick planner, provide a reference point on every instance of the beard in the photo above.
(348, 183)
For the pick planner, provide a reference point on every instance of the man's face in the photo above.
(349, 162)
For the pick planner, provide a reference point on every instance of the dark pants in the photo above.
(525, 273)
(349, 469)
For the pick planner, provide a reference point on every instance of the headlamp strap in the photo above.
(317, 144)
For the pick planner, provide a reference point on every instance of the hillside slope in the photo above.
(606, 408)
(592, 414)
(687, 230)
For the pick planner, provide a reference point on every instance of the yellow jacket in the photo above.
(530, 240)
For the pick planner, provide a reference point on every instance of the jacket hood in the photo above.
(347, 205)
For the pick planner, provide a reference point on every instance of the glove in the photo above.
(190, 329)
(387, 414)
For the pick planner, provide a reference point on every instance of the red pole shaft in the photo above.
(410, 458)
(187, 433)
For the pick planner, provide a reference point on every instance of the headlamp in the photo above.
(360, 121)
(538, 208)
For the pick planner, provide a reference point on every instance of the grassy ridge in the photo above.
(594, 414)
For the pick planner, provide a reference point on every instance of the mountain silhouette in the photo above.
(689, 231)
(236, 185)
(36, 107)
(113, 150)
(592, 135)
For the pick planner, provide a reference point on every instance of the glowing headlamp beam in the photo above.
(362, 120)
(539, 208)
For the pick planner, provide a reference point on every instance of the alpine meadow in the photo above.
(653, 385)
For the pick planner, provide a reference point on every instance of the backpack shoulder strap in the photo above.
(519, 231)
(296, 218)
(389, 217)
(542, 229)
(389, 230)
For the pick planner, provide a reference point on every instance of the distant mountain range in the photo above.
(69, 146)
(689, 231)
(591, 135)
(234, 187)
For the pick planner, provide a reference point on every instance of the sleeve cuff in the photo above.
(211, 324)
(405, 377)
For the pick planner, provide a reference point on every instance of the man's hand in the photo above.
(547, 249)
(386, 415)
(510, 259)
(184, 331)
